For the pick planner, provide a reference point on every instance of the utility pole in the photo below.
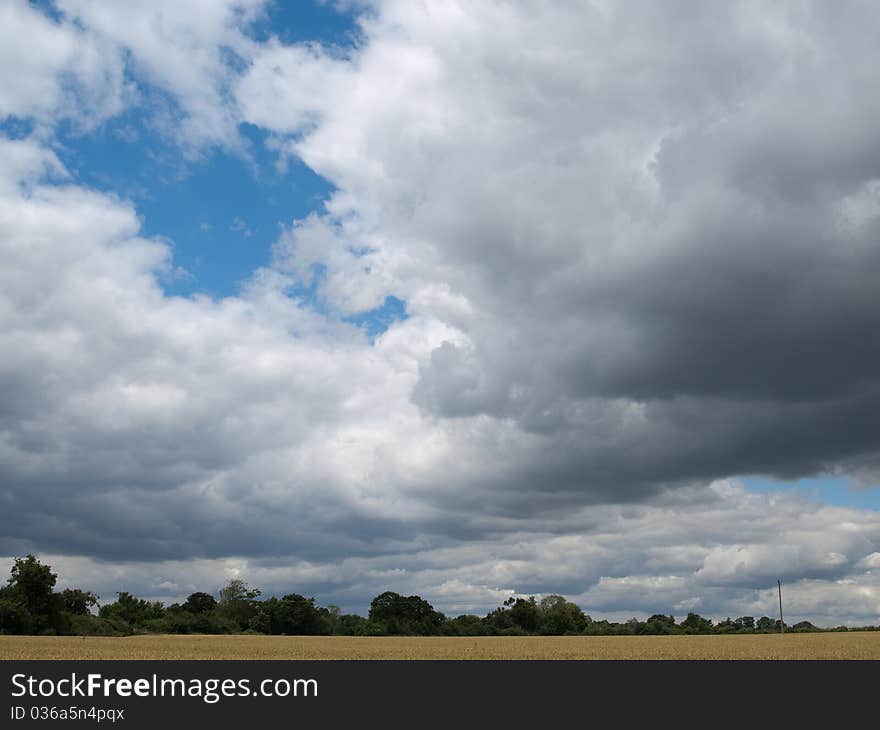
(781, 622)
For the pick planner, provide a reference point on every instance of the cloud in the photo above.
(613, 561)
(189, 52)
(126, 407)
(93, 60)
(664, 233)
(240, 226)
(638, 252)
(55, 70)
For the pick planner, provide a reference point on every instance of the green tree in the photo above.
(558, 616)
(634, 626)
(136, 612)
(331, 615)
(199, 603)
(516, 616)
(31, 588)
(293, 614)
(465, 625)
(77, 602)
(524, 614)
(409, 615)
(14, 616)
(660, 624)
(765, 623)
(350, 624)
(238, 603)
(696, 624)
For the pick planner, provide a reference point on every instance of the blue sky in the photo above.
(324, 21)
(222, 211)
(840, 491)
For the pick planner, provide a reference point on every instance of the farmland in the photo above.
(843, 645)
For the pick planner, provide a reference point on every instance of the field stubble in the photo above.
(853, 645)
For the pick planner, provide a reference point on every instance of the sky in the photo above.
(468, 300)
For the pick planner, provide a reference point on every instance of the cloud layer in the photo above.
(638, 249)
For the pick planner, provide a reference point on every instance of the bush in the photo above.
(89, 625)
(465, 625)
(182, 621)
(803, 627)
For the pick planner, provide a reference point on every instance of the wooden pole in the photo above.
(781, 621)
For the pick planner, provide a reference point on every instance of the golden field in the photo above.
(853, 645)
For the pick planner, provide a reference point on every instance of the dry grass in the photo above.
(767, 646)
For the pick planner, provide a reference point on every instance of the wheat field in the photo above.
(763, 646)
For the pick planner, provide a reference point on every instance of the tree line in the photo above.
(29, 604)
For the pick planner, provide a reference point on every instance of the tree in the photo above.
(765, 623)
(238, 602)
(237, 590)
(696, 624)
(465, 625)
(634, 626)
(331, 615)
(293, 614)
(199, 603)
(14, 616)
(558, 616)
(524, 614)
(519, 615)
(77, 602)
(31, 588)
(405, 614)
(34, 582)
(350, 624)
(660, 624)
(134, 611)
